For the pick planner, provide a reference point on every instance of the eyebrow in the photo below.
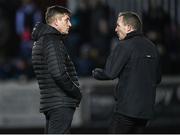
(68, 18)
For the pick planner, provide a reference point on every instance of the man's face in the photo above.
(63, 23)
(121, 28)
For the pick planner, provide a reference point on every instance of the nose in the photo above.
(116, 29)
(70, 24)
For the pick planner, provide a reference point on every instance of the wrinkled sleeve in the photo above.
(114, 64)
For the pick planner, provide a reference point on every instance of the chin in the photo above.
(65, 33)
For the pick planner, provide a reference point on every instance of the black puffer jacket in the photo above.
(54, 70)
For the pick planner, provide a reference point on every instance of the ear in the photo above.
(129, 28)
(56, 21)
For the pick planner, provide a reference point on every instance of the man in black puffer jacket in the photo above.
(55, 72)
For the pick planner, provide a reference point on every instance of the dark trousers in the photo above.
(58, 121)
(122, 124)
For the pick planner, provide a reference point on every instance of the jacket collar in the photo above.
(41, 29)
(133, 34)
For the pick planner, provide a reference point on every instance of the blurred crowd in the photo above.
(89, 42)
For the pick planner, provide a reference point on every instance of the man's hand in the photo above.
(96, 71)
(99, 74)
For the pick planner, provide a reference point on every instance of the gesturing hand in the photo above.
(96, 71)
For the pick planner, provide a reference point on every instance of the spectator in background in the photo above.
(89, 40)
(84, 62)
(26, 17)
(55, 72)
(100, 33)
(135, 61)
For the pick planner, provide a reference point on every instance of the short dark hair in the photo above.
(53, 10)
(133, 19)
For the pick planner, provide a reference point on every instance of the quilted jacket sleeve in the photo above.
(56, 60)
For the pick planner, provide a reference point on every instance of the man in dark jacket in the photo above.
(55, 72)
(135, 62)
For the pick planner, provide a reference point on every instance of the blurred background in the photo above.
(89, 43)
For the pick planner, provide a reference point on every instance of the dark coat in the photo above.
(135, 62)
(55, 72)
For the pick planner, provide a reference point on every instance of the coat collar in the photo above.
(41, 29)
(133, 34)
